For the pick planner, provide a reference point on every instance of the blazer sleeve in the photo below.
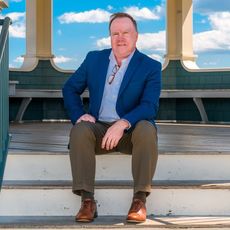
(147, 107)
(72, 90)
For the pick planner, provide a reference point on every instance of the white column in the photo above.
(179, 30)
(38, 32)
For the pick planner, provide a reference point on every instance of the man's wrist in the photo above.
(126, 122)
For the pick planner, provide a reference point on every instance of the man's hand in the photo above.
(114, 134)
(86, 117)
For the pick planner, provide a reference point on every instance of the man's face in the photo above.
(123, 37)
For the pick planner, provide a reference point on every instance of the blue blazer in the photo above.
(138, 97)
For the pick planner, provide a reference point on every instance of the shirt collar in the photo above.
(126, 60)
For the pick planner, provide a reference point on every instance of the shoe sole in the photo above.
(84, 220)
(135, 221)
(87, 220)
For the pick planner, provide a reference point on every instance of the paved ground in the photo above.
(108, 222)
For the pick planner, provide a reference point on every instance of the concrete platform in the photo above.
(117, 222)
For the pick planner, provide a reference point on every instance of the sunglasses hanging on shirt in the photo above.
(113, 74)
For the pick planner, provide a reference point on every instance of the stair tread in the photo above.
(162, 152)
(115, 222)
(109, 184)
(181, 138)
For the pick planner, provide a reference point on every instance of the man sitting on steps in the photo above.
(124, 87)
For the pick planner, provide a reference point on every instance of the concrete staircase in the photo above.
(191, 189)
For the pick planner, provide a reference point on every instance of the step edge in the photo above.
(26, 153)
(117, 184)
(114, 221)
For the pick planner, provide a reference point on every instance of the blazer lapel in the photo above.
(134, 63)
(102, 72)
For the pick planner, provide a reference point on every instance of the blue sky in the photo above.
(80, 26)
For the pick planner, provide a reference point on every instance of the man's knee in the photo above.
(81, 131)
(144, 130)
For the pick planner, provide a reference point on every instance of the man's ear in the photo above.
(136, 36)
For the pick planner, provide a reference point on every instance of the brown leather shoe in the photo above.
(137, 212)
(87, 212)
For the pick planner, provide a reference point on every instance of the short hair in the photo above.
(122, 15)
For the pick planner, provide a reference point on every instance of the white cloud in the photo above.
(100, 15)
(11, 66)
(216, 39)
(152, 41)
(220, 21)
(143, 13)
(16, 16)
(103, 43)
(156, 57)
(109, 7)
(210, 63)
(19, 59)
(206, 41)
(62, 59)
(17, 28)
(16, 62)
(92, 16)
(211, 40)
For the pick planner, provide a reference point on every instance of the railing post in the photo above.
(4, 94)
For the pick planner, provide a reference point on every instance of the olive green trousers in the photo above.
(85, 142)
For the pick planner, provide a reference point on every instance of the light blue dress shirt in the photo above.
(108, 111)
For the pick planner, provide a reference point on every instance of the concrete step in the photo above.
(116, 222)
(116, 166)
(168, 198)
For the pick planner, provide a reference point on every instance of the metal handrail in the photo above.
(4, 92)
(4, 33)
